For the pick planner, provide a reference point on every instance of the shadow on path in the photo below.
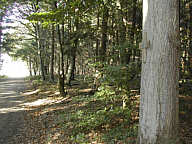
(11, 109)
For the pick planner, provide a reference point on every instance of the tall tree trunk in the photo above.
(97, 39)
(39, 45)
(62, 76)
(39, 41)
(71, 68)
(122, 34)
(103, 48)
(30, 66)
(1, 20)
(61, 61)
(134, 8)
(52, 54)
(35, 65)
(158, 122)
(67, 64)
(34, 69)
(190, 40)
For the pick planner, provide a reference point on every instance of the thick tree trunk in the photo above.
(158, 122)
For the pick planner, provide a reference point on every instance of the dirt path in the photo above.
(11, 109)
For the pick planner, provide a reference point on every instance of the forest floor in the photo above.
(82, 118)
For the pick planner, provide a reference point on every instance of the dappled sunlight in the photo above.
(45, 101)
(31, 92)
(39, 102)
(12, 68)
(54, 137)
(10, 99)
(55, 94)
(13, 104)
(51, 109)
(7, 93)
(11, 109)
(9, 96)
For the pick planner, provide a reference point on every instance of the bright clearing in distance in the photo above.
(13, 68)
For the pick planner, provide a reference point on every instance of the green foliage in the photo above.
(36, 80)
(96, 115)
(9, 42)
(121, 75)
(31, 78)
(121, 134)
(3, 77)
(185, 87)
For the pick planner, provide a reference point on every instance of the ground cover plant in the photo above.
(85, 117)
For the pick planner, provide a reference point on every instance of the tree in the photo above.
(159, 82)
(1, 19)
(52, 53)
(190, 39)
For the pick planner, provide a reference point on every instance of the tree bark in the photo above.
(102, 50)
(190, 40)
(39, 45)
(159, 78)
(62, 76)
(71, 67)
(97, 39)
(1, 20)
(30, 66)
(122, 33)
(72, 57)
(133, 29)
(52, 54)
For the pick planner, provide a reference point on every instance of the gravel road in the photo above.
(11, 109)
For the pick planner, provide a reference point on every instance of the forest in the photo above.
(110, 71)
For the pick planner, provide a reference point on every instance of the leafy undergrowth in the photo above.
(3, 77)
(81, 117)
(84, 117)
(185, 118)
